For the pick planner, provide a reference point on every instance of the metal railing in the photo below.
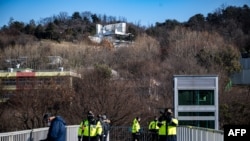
(118, 133)
(191, 133)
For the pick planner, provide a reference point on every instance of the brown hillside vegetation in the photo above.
(187, 53)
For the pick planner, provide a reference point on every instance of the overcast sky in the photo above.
(145, 12)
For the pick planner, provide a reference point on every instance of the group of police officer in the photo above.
(164, 128)
(92, 129)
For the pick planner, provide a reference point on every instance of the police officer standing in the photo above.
(162, 123)
(172, 123)
(92, 128)
(80, 130)
(136, 129)
(154, 128)
(168, 126)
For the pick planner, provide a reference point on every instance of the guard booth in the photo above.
(196, 100)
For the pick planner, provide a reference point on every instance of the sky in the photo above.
(143, 12)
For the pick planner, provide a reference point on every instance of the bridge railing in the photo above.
(191, 133)
(118, 133)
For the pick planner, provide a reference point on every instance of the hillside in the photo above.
(203, 45)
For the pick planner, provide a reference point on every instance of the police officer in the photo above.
(162, 123)
(154, 128)
(136, 129)
(172, 123)
(92, 128)
(80, 130)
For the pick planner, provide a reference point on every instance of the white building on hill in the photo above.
(115, 33)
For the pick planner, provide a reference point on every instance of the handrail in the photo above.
(118, 133)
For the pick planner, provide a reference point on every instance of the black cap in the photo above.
(90, 114)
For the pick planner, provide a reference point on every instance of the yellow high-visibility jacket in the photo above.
(135, 126)
(153, 125)
(80, 129)
(99, 128)
(92, 130)
(162, 130)
(172, 127)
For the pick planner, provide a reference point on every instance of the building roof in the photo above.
(39, 74)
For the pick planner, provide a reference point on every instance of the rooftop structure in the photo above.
(110, 32)
(28, 62)
(16, 79)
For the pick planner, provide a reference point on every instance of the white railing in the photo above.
(190, 133)
(184, 133)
